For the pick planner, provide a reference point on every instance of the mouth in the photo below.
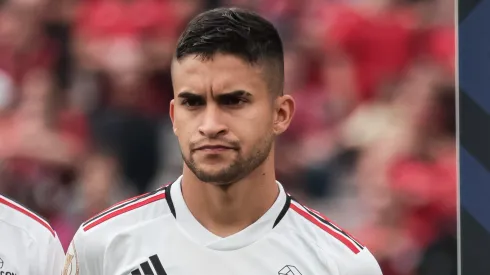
(214, 148)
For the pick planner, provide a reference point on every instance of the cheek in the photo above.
(182, 122)
(253, 129)
(185, 128)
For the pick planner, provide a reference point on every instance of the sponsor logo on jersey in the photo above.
(152, 267)
(289, 270)
(3, 272)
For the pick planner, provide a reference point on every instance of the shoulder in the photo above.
(125, 215)
(90, 242)
(334, 243)
(20, 217)
(314, 224)
(363, 263)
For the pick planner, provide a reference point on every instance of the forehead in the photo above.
(222, 73)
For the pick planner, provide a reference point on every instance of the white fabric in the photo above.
(137, 241)
(27, 245)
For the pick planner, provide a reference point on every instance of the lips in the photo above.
(214, 148)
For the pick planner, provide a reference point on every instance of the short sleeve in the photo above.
(364, 264)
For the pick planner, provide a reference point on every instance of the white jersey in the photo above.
(28, 244)
(156, 234)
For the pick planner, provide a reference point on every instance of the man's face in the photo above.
(224, 116)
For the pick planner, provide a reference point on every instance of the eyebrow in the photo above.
(238, 93)
(189, 95)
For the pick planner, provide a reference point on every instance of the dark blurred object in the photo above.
(322, 180)
(440, 257)
(61, 34)
(134, 139)
(212, 4)
(445, 99)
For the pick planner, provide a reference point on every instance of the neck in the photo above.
(226, 210)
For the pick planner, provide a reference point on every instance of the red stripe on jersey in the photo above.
(29, 214)
(330, 221)
(124, 210)
(334, 234)
(117, 204)
(124, 201)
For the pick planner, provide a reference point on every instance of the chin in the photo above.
(215, 178)
(220, 177)
(222, 172)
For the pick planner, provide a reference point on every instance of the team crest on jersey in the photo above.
(289, 270)
(71, 261)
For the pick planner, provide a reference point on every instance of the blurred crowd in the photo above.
(85, 87)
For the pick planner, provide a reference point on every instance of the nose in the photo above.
(212, 125)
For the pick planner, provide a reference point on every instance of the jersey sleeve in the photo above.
(53, 262)
(364, 264)
(82, 257)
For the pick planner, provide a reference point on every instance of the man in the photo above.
(226, 214)
(28, 244)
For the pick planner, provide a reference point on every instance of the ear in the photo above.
(284, 112)
(172, 115)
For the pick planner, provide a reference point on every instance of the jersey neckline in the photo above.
(200, 235)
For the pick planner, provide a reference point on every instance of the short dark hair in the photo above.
(237, 32)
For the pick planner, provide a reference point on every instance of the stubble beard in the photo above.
(238, 169)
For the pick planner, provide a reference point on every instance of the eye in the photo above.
(192, 102)
(232, 100)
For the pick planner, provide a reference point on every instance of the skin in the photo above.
(226, 120)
